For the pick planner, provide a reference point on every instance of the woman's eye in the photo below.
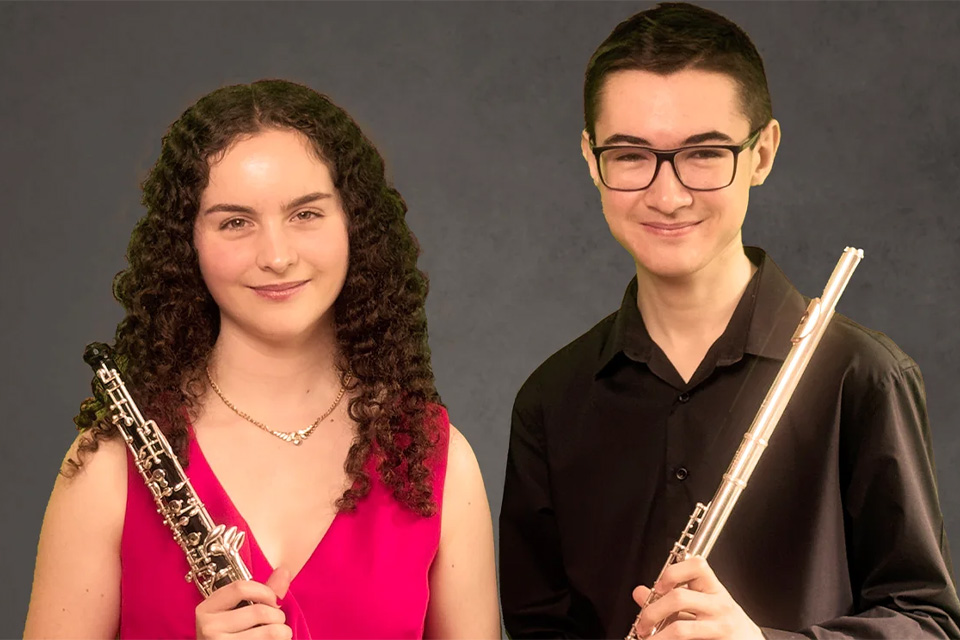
(234, 224)
(306, 215)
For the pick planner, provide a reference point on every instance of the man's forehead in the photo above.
(666, 109)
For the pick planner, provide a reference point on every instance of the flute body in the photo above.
(707, 520)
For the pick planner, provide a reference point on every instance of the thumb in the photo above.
(640, 595)
(279, 582)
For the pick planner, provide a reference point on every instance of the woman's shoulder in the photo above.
(463, 483)
(94, 479)
(84, 466)
(110, 454)
(76, 587)
(460, 455)
(463, 583)
(451, 445)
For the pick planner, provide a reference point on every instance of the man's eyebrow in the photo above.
(293, 204)
(709, 136)
(623, 138)
(698, 138)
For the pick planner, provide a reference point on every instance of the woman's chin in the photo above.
(285, 334)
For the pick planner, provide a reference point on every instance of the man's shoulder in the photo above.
(872, 356)
(570, 366)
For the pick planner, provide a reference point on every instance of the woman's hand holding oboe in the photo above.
(219, 617)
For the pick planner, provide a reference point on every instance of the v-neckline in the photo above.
(197, 454)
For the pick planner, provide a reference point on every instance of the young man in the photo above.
(617, 436)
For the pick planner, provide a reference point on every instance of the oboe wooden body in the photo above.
(212, 550)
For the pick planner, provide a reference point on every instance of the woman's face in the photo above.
(271, 236)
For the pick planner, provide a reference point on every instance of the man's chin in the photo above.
(675, 265)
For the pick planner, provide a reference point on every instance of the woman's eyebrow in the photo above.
(310, 197)
(293, 204)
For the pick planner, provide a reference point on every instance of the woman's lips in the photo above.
(669, 230)
(281, 291)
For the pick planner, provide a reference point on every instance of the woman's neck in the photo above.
(258, 371)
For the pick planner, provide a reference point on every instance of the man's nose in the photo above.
(666, 193)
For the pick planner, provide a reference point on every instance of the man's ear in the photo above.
(765, 152)
(589, 158)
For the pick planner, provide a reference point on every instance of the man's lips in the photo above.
(670, 226)
(669, 229)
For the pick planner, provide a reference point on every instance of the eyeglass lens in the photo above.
(697, 168)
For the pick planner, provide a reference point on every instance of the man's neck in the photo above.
(685, 316)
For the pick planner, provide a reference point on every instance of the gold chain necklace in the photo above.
(295, 437)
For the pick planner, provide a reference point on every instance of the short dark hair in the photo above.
(674, 36)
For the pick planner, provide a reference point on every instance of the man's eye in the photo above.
(307, 215)
(707, 154)
(630, 156)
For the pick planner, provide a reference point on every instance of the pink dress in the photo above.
(367, 577)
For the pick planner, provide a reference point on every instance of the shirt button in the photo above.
(681, 473)
(683, 397)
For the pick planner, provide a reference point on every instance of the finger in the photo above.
(694, 573)
(640, 595)
(680, 604)
(279, 581)
(690, 630)
(228, 597)
(237, 620)
(270, 632)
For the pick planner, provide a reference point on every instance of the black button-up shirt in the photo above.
(838, 532)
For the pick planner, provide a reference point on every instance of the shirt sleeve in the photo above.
(897, 551)
(534, 591)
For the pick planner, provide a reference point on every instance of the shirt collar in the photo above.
(762, 324)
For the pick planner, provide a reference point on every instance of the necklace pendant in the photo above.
(295, 437)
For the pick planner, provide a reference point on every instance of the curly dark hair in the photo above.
(171, 323)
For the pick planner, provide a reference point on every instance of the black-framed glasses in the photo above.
(707, 167)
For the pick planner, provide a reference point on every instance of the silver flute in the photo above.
(212, 550)
(707, 520)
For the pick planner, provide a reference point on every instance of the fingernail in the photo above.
(279, 602)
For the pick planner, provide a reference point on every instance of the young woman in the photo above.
(275, 329)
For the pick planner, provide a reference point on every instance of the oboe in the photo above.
(707, 520)
(212, 550)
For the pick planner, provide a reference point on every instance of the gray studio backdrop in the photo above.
(477, 108)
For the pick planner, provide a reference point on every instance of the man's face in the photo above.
(670, 230)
